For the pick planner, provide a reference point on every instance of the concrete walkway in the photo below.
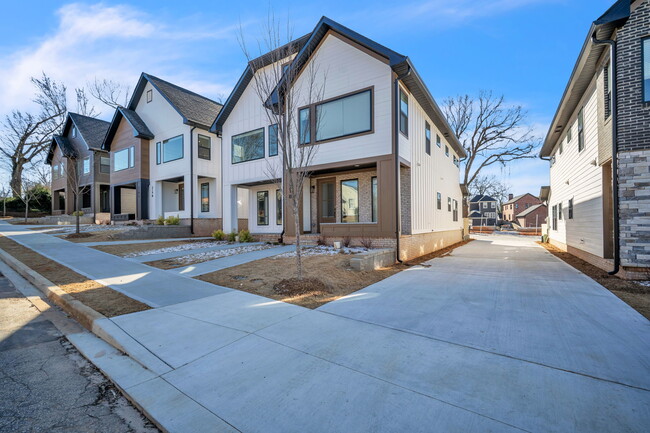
(498, 336)
(229, 261)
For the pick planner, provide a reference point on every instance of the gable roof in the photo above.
(474, 213)
(67, 149)
(517, 198)
(529, 210)
(140, 129)
(196, 110)
(584, 70)
(400, 64)
(481, 197)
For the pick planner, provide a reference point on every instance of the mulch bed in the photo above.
(296, 287)
(634, 294)
(100, 298)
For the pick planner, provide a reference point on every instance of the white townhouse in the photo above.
(164, 159)
(599, 147)
(387, 162)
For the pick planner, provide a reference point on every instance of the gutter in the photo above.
(398, 207)
(615, 200)
(192, 179)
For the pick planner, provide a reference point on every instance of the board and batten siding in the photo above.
(574, 175)
(430, 174)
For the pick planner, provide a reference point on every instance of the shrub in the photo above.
(219, 235)
(172, 221)
(366, 243)
(245, 236)
(232, 236)
(78, 213)
(322, 240)
(160, 220)
(346, 241)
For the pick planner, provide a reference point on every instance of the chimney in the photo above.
(510, 196)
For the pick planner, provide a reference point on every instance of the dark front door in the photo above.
(326, 201)
(105, 198)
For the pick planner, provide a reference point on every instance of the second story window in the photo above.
(248, 146)
(205, 147)
(123, 159)
(403, 112)
(439, 201)
(104, 164)
(449, 204)
(347, 115)
(646, 70)
(86, 165)
(149, 95)
(169, 150)
(438, 142)
(427, 138)
(304, 126)
(74, 132)
(447, 151)
(273, 140)
(581, 130)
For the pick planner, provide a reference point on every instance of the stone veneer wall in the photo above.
(634, 207)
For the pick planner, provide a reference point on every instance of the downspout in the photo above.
(617, 252)
(192, 179)
(398, 207)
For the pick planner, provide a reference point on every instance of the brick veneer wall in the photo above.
(633, 142)
(405, 199)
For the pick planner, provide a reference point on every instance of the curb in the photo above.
(82, 313)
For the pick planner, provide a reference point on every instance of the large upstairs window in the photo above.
(123, 159)
(204, 147)
(248, 146)
(344, 116)
(169, 150)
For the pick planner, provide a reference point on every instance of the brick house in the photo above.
(533, 216)
(516, 205)
(598, 146)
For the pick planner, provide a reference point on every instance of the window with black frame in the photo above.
(205, 197)
(427, 138)
(248, 146)
(273, 139)
(403, 112)
(278, 207)
(344, 116)
(262, 208)
(205, 147)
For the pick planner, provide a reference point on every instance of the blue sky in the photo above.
(523, 49)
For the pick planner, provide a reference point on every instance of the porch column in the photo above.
(230, 221)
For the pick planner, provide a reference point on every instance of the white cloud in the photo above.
(114, 42)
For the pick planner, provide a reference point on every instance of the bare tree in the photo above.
(5, 193)
(492, 186)
(27, 193)
(110, 92)
(274, 76)
(490, 131)
(73, 171)
(41, 173)
(84, 106)
(25, 136)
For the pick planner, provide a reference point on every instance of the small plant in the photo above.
(219, 235)
(78, 213)
(346, 241)
(245, 236)
(322, 241)
(232, 236)
(172, 221)
(366, 243)
(160, 220)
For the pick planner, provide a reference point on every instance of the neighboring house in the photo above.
(483, 211)
(164, 160)
(353, 189)
(516, 205)
(582, 150)
(77, 160)
(533, 216)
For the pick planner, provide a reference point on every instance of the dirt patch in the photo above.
(81, 235)
(634, 294)
(126, 249)
(440, 253)
(99, 236)
(96, 296)
(332, 274)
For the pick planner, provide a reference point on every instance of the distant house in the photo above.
(483, 211)
(516, 205)
(598, 146)
(533, 216)
(77, 151)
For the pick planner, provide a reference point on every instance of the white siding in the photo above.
(574, 175)
(272, 227)
(430, 174)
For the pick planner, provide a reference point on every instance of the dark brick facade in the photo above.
(633, 114)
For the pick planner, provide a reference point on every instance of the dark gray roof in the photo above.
(193, 108)
(67, 149)
(514, 199)
(583, 71)
(481, 197)
(140, 128)
(398, 62)
(92, 130)
(529, 210)
(474, 213)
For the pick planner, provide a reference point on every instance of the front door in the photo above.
(326, 201)
(181, 196)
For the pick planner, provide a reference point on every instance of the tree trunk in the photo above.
(26, 210)
(16, 182)
(77, 206)
(296, 221)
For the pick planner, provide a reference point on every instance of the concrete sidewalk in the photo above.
(152, 286)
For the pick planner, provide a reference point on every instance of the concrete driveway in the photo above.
(498, 336)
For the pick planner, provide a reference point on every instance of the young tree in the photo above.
(5, 193)
(490, 131)
(275, 74)
(27, 193)
(73, 172)
(25, 136)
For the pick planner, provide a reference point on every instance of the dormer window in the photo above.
(149, 95)
(74, 132)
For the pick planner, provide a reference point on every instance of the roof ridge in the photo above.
(148, 76)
